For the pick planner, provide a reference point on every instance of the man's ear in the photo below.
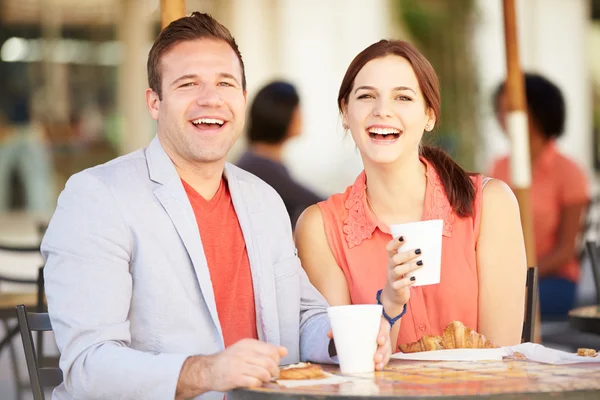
(153, 103)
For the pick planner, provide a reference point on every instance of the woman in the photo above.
(559, 194)
(389, 96)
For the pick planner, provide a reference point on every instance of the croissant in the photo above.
(454, 336)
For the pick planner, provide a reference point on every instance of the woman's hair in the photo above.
(458, 185)
(545, 103)
(271, 113)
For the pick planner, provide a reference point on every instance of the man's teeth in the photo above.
(384, 131)
(208, 121)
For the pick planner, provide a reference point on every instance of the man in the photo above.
(170, 273)
(275, 118)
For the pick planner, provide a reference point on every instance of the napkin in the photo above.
(532, 351)
(454, 355)
(330, 380)
(541, 354)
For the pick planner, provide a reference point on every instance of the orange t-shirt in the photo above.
(556, 182)
(358, 240)
(228, 263)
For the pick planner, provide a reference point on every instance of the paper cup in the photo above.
(355, 329)
(427, 236)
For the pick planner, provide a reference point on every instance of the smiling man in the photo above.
(170, 273)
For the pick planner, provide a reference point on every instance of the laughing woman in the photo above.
(388, 98)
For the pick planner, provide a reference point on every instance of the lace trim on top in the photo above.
(360, 223)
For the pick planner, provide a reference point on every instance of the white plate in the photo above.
(454, 355)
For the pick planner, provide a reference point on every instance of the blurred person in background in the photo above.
(23, 149)
(389, 99)
(275, 117)
(559, 194)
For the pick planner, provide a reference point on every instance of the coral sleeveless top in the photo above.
(358, 240)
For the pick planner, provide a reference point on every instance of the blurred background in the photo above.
(73, 75)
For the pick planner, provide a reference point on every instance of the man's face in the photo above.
(202, 110)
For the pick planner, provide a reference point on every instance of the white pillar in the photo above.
(254, 25)
(552, 42)
(135, 31)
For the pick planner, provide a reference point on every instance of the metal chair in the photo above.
(8, 301)
(592, 251)
(39, 376)
(530, 305)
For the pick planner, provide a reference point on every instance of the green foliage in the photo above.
(442, 31)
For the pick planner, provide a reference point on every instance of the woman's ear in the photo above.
(431, 120)
(344, 116)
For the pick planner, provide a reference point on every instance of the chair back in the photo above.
(530, 305)
(592, 251)
(39, 376)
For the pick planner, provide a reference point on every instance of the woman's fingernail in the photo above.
(418, 251)
(420, 262)
(413, 278)
(401, 239)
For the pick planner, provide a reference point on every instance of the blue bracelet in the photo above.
(389, 319)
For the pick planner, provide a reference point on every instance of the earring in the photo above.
(345, 126)
(428, 128)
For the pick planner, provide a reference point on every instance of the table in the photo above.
(586, 319)
(506, 379)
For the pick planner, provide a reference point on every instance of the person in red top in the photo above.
(559, 194)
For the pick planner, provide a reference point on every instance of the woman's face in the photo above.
(386, 111)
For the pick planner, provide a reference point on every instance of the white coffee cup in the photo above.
(355, 328)
(427, 236)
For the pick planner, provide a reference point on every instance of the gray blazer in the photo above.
(129, 292)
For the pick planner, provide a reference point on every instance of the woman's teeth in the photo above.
(384, 133)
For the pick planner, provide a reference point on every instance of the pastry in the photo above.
(454, 336)
(301, 371)
(587, 352)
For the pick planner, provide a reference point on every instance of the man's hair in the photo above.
(271, 113)
(193, 27)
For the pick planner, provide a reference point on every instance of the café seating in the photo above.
(531, 301)
(32, 298)
(40, 376)
(593, 252)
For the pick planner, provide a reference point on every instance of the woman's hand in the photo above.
(397, 287)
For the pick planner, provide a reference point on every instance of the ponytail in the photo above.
(457, 183)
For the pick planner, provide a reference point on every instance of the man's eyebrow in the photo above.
(184, 77)
(229, 76)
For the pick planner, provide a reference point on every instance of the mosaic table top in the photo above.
(506, 379)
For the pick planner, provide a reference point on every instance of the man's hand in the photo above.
(384, 347)
(247, 363)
